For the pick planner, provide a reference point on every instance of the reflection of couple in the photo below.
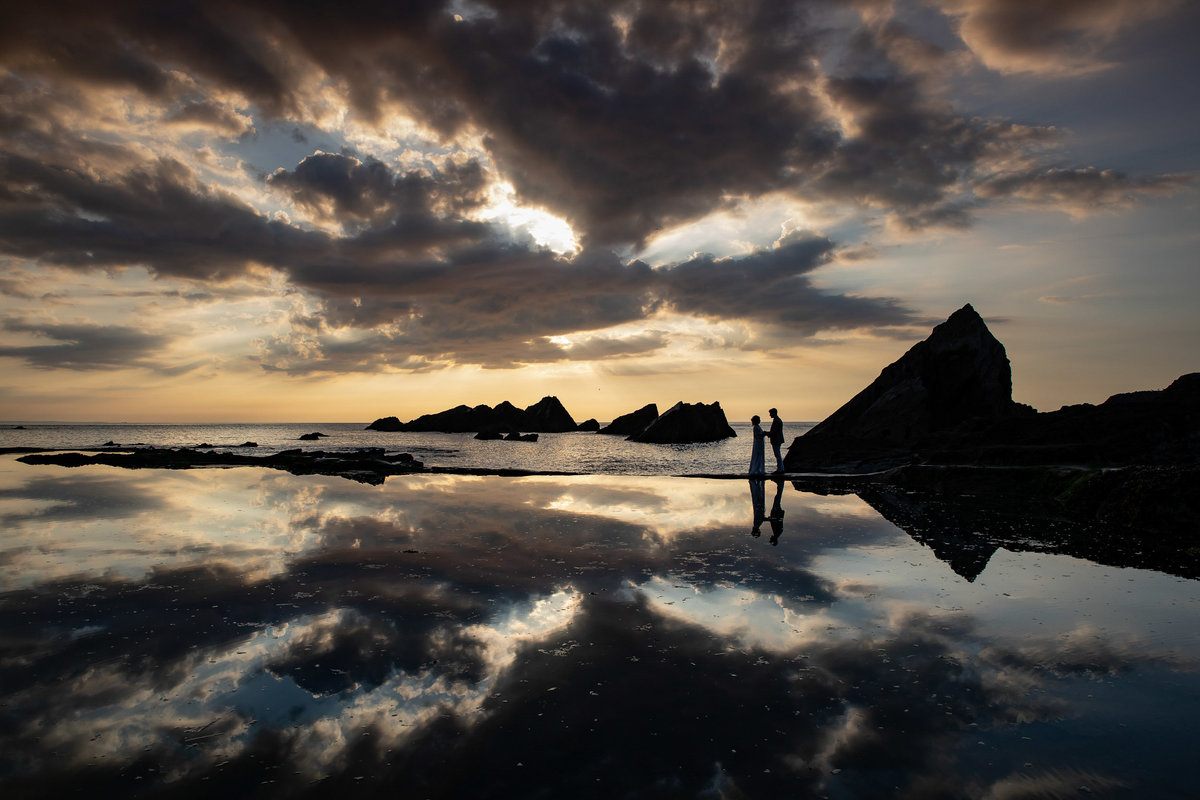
(758, 503)
(775, 434)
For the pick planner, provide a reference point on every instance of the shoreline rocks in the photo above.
(948, 400)
(545, 416)
(366, 465)
(633, 423)
(687, 423)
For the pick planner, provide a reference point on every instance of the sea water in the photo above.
(587, 453)
(246, 632)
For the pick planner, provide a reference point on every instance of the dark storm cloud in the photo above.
(496, 307)
(1066, 35)
(85, 346)
(155, 214)
(1081, 190)
(772, 285)
(418, 280)
(209, 115)
(624, 142)
(343, 188)
(623, 117)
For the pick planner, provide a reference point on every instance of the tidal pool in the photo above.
(249, 633)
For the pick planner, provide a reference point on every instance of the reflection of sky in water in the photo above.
(241, 631)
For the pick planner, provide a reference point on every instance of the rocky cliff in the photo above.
(948, 400)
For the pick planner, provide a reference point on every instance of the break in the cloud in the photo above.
(424, 280)
(153, 137)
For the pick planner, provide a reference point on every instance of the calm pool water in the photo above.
(249, 633)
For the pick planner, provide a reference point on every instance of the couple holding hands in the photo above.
(775, 434)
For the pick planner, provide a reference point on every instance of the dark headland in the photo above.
(948, 400)
(936, 444)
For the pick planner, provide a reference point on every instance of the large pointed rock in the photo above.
(632, 423)
(548, 416)
(959, 375)
(686, 423)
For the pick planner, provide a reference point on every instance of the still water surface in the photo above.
(245, 632)
(587, 453)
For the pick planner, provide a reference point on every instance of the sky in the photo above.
(282, 211)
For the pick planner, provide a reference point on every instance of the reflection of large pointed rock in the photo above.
(960, 373)
(951, 531)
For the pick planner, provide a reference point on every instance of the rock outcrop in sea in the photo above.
(948, 400)
(632, 423)
(686, 423)
(545, 416)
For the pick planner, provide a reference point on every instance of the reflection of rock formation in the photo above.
(1137, 517)
(951, 532)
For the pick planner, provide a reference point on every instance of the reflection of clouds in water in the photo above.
(666, 508)
(745, 616)
(117, 522)
(524, 626)
(218, 696)
(446, 629)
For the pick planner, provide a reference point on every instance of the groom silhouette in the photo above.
(776, 438)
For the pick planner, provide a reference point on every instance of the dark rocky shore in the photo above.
(935, 444)
(369, 465)
(948, 400)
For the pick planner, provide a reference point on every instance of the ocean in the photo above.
(247, 632)
(586, 453)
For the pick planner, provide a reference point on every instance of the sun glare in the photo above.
(544, 228)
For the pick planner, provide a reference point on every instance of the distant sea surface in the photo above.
(588, 453)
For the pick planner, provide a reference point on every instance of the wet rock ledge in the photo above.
(366, 465)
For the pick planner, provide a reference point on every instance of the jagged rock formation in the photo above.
(548, 416)
(686, 423)
(948, 400)
(589, 426)
(632, 423)
(545, 416)
(959, 373)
